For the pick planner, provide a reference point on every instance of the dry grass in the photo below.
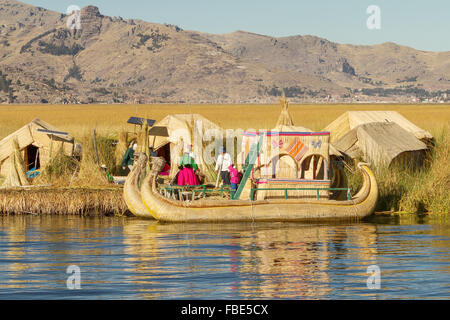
(59, 170)
(79, 120)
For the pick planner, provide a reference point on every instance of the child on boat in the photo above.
(234, 179)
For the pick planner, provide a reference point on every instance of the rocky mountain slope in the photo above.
(112, 60)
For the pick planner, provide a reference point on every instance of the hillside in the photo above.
(112, 60)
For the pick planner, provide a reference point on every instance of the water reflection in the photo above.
(259, 261)
(137, 259)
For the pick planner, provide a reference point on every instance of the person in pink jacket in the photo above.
(180, 176)
(187, 177)
(234, 179)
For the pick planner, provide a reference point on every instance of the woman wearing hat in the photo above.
(188, 157)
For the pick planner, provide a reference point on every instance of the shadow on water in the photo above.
(139, 259)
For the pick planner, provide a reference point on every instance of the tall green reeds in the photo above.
(429, 189)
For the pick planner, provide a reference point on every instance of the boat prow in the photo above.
(131, 192)
(169, 210)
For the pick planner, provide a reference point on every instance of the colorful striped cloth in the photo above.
(297, 149)
(293, 181)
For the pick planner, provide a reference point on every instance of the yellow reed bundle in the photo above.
(17, 173)
(121, 148)
(90, 173)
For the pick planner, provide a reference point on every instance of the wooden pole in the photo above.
(218, 178)
(95, 147)
(51, 144)
(35, 161)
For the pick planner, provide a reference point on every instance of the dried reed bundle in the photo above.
(143, 143)
(90, 172)
(17, 174)
(285, 118)
(58, 170)
(121, 148)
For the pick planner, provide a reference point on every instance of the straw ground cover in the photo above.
(400, 189)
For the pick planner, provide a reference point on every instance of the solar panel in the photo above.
(53, 132)
(141, 121)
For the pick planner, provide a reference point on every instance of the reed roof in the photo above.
(352, 119)
(379, 142)
(182, 126)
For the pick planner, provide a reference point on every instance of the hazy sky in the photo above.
(422, 24)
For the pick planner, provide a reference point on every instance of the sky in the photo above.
(421, 24)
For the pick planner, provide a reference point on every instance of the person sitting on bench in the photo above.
(187, 177)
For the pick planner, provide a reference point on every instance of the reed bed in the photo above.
(63, 201)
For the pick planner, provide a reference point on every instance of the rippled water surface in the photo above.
(127, 258)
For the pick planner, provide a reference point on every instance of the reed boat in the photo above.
(131, 192)
(289, 173)
(164, 209)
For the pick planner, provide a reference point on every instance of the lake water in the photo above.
(128, 258)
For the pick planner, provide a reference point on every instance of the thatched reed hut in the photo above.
(182, 131)
(383, 144)
(379, 137)
(36, 147)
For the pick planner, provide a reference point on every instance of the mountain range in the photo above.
(115, 60)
